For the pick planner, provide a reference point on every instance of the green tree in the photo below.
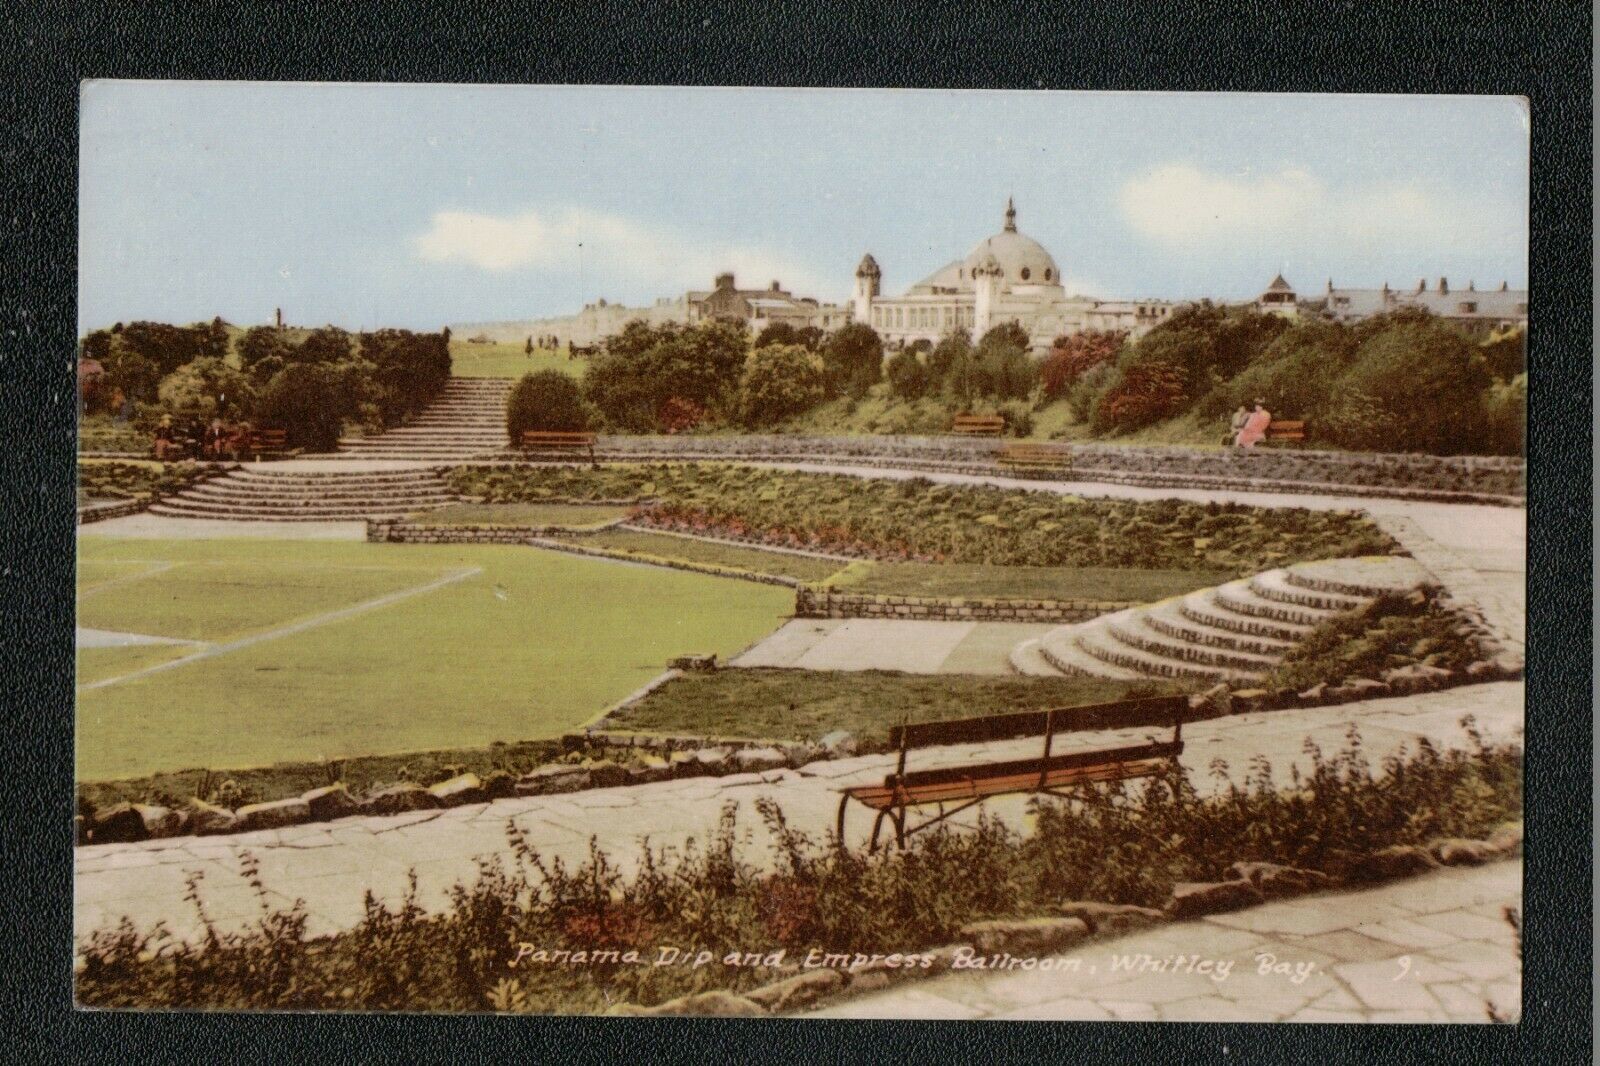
(1295, 375)
(1415, 386)
(953, 350)
(206, 387)
(328, 344)
(853, 359)
(777, 333)
(263, 351)
(310, 401)
(545, 400)
(778, 382)
(1001, 367)
(908, 377)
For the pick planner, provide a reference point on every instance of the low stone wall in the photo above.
(831, 603)
(101, 512)
(1476, 479)
(387, 531)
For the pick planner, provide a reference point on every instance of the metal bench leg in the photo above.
(877, 826)
(843, 801)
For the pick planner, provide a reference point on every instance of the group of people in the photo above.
(1249, 425)
(198, 439)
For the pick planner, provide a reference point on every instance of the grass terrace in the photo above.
(507, 360)
(651, 546)
(574, 515)
(805, 705)
(979, 581)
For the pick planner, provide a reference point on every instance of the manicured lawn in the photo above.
(666, 546)
(800, 704)
(532, 645)
(521, 514)
(977, 581)
(507, 360)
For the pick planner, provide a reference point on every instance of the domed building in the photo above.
(1009, 277)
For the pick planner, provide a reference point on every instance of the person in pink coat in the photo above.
(1255, 426)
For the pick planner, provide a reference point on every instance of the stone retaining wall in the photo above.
(832, 603)
(99, 513)
(388, 531)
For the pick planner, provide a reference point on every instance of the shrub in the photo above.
(1413, 387)
(678, 415)
(1145, 393)
(1072, 356)
(545, 400)
(852, 357)
(1505, 416)
(779, 382)
(1296, 374)
(1392, 631)
(408, 370)
(644, 366)
(908, 378)
(311, 402)
(206, 388)
(953, 349)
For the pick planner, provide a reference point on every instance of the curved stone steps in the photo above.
(1068, 658)
(1028, 660)
(1136, 632)
(1167, 617)
(1240, 598)
(299, 516)
(1368, 577)
(1276, 585)
(1202, 607)
(1102, 643)
(239, 494)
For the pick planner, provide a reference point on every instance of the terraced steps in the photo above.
(1238, 631)
(466, 421)
(309, 495)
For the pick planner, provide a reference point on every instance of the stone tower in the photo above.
(986, 279)
(868, 277)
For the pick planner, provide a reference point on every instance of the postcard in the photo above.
(794, 552)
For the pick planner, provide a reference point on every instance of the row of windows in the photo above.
(946, 317)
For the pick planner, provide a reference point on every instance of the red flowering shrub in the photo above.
(677, 415)
(1148, 392)
(1072, 356)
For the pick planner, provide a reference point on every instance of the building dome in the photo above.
(1022, 260)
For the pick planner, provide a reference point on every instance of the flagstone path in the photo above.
(1436, 948)
(331, 865)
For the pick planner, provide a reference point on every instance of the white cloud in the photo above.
(610, 249)
(1292, 209)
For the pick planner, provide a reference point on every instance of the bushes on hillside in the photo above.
(644, 366)
(408, 370)
(311, 402)
(853, 358)
(779, 381)
(545, 400)
(1145, 393)
(1073, 355)
(908, 377)
(1417, 387)
(206, 388)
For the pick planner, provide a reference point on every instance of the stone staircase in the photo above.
(272, 494)
(1238, 631)
(466, 421)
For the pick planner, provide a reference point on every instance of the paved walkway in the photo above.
(1436, 948)
(912, 646)
(331, 865)
(146, 526)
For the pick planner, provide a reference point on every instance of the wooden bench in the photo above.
(270, 442)
(978, 425)
(1282, 429)
(549, 440)
(964, 786)
(1048, 458)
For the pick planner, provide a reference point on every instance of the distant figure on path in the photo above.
(165, 445)
(1255, 426)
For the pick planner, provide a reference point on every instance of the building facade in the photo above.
(1479, 310)
(1008, 277)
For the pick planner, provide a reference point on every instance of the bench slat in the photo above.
(880, 797)
(1157, 711)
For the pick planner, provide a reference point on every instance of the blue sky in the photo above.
(416, 206)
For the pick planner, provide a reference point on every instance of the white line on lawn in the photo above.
(289, 630)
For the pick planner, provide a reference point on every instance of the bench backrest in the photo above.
(269, 438)
(1286, 430)
(1160, 749)
(1122, 714)
(979, 422)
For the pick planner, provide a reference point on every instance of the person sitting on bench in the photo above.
(1255, 426)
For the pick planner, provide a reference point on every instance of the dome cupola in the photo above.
(1020, 259)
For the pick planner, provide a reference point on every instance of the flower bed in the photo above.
(919, 520)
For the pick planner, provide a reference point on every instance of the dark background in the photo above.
(1539, 50)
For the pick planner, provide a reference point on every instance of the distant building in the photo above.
(1473, 308)
(1008, 277)
(760, 308)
